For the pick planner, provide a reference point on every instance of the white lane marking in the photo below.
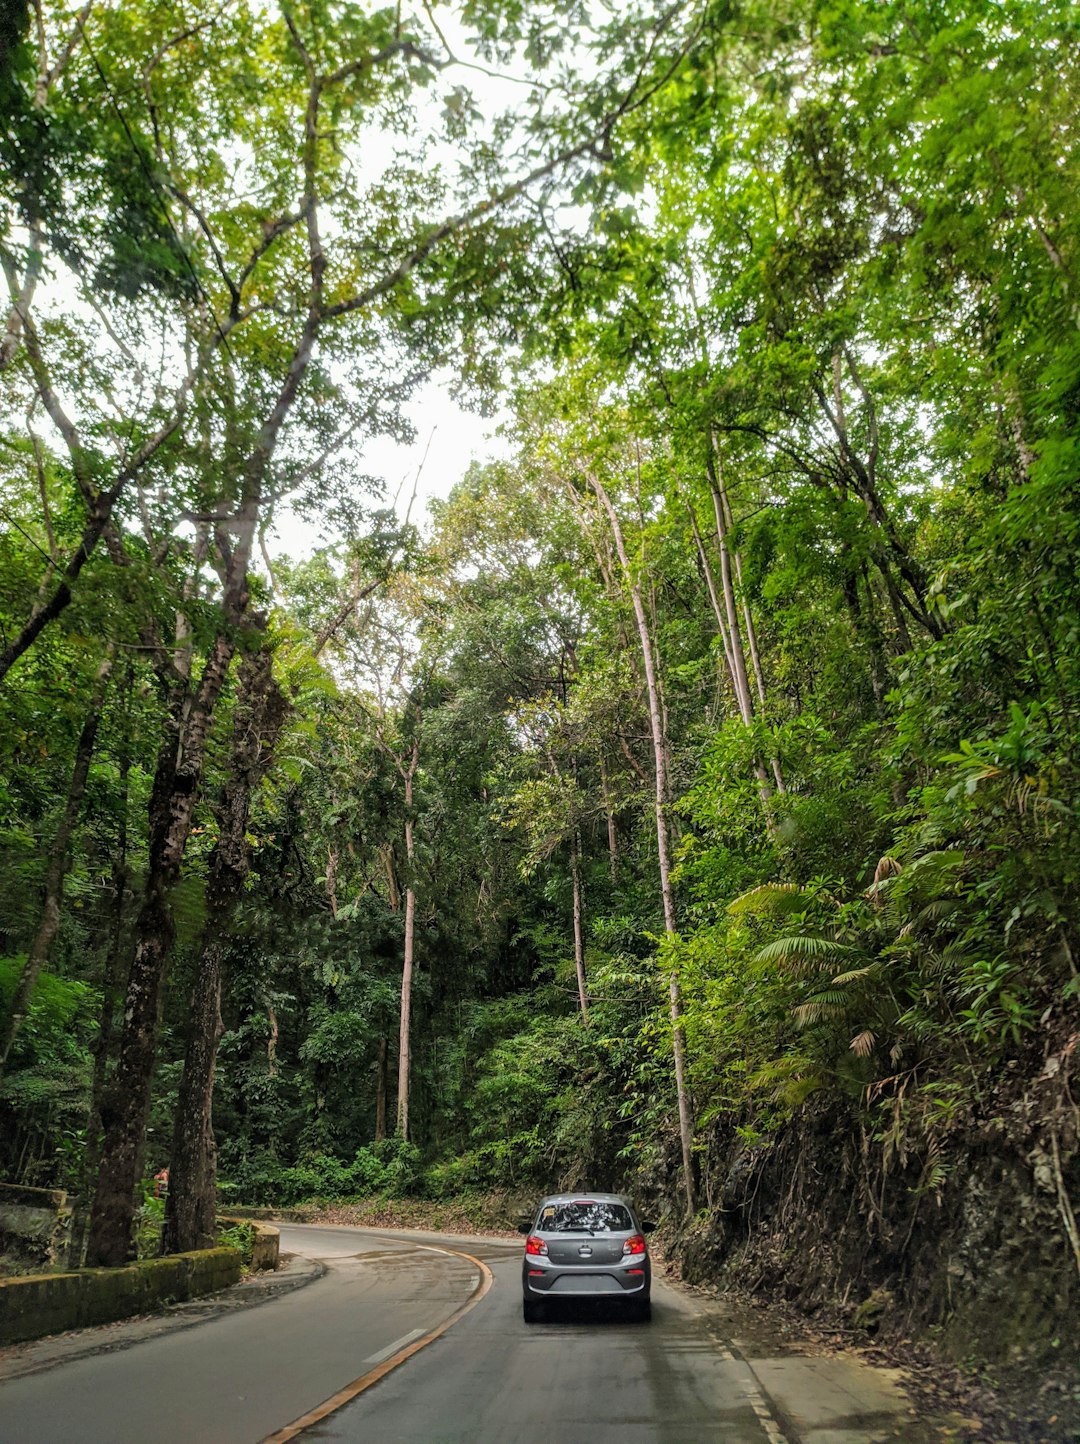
(754, 1396)
(394, 1347)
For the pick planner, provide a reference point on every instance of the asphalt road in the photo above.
(470, 1369)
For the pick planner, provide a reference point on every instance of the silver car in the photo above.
(586, 1246)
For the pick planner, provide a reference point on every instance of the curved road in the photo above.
(419, 1338)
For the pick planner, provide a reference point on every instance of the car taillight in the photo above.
(534, 1245)
(634, 1245)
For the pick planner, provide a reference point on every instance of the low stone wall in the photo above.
(51, 1303)
(34, 1224)
(266, 1248)
(303, 1213)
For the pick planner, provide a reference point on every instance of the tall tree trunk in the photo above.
(260, 714)
(191, 1202)
(660, 765)
(734, 631)
(748, 618)
(404, 1036)
(126, 1103)
(609, 816)
(271, 1037)
(714, 598)
(380, 1089)
(56, 870)
(579, 945)
(726, 613)
(862, 474)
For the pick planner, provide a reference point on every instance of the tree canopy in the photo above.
(709, 758)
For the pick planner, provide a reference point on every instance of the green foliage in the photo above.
(44, 1091)
(240, 1236)
(814, 340)
(390, 1167)
(149, 1223)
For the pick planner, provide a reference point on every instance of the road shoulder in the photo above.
(38, 1355)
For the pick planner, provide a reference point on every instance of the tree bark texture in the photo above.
(612, 834)
(191, 1202)
(260, 714)
(579, 944)
(380, 1090)
(126, 1103)
(404, 1034)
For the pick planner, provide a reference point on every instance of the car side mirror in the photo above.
(648, 1228)
(525, 1227)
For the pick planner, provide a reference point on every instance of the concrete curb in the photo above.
(39, 1355)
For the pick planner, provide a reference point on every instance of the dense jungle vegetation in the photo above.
(707, 763)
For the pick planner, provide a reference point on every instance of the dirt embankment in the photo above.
(950, 1243)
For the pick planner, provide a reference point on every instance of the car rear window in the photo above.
(585, 1216)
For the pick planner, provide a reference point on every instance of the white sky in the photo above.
(448, 440)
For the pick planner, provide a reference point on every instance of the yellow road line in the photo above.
(352, 1391)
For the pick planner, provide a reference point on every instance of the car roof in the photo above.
(584, 1197)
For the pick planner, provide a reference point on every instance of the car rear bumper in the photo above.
(582, 1283)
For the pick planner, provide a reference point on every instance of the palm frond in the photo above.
(870, 971)
(770, 897)
(931, 912)
(816, 1010)
(940, 860)
(805, 948)
(862, 1045)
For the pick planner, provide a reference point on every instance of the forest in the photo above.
(688, 801)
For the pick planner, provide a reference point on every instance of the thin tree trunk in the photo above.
(612, 835)
(380, 1090)
(714, 598)
(733, 642)
(404, 1039)
(56, 870)
(271, 1038)
(738, 656)
(660, 763)
(260, 714)
(404, 1036)
(896, 602)
(748, 618)
(579, 946)
(864, 620)
(724, 524)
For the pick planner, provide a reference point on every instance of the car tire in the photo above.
(643, 1313)
(531, 1311)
